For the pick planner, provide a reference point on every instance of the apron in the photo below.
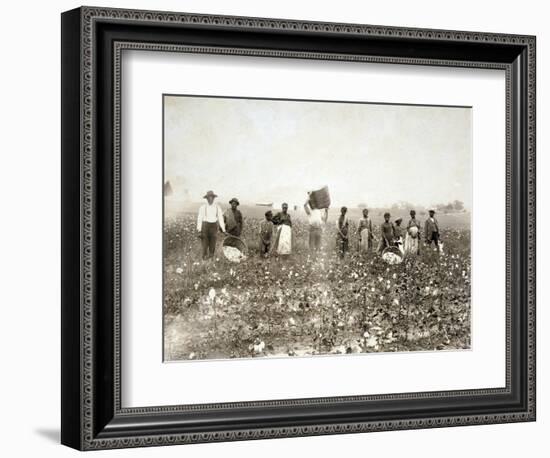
(284, 245)
(411, 244)
(364, 244)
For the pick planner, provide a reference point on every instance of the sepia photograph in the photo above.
(297, 228)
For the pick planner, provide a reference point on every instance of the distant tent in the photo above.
(264, 204)
(168, 191)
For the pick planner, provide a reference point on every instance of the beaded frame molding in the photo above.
(93, 40)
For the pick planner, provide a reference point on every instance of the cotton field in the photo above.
(304, 305)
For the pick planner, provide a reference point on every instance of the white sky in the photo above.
(276, 150)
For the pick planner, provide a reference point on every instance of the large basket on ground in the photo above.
(392, 255)
(234, 249)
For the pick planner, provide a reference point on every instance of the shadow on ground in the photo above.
(52, 435)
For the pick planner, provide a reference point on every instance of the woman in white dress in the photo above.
(412, 238)
(283, 240)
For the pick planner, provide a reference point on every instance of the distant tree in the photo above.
(402, 205)
(362, 205)
(451, 207)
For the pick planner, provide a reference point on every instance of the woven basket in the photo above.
(235, 242)
(320, 198)
(393, 250)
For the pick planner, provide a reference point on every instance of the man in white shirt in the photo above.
(316, 218)
(209, 219)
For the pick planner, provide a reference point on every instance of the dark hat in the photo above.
(344, 209)
(235, 200)
(269, 213)
(431, 211)
(386, 215)
(209, 194)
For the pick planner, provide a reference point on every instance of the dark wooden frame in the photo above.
(92, 42)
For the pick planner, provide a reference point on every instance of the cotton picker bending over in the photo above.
(209, 220)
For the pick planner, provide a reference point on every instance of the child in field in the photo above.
(342, 236)
(266, 234)
(387, 232)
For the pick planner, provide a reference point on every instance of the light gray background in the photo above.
(263, 150)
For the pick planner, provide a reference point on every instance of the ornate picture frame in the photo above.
(92, 413)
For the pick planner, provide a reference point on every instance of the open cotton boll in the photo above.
(233, 254)
(392, 258)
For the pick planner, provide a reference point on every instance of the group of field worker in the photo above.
(276, 229)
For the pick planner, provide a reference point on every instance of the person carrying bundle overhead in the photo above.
(317, 218)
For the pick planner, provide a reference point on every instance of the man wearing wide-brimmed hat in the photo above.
(209, 220)
(233, 218)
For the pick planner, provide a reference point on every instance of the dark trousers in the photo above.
(434, 238)
(265, 247)
(343, 245)
(209, 234)
(315, 238)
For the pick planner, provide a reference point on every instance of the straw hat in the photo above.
(234, 200)
(209, 194)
